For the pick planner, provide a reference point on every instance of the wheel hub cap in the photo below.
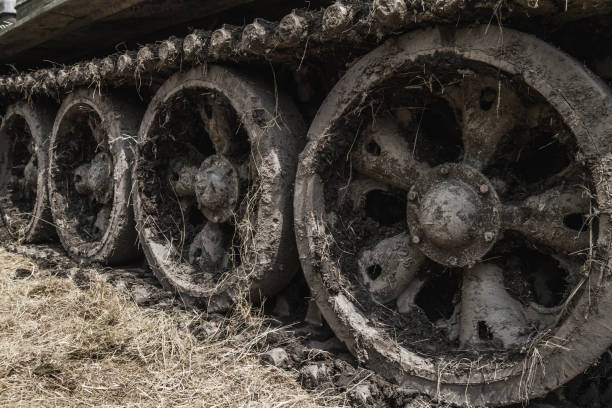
(449, 214)
(217, 188)
(453, 215)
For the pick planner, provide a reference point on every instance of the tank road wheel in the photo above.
(216, 163)
(24, 144)
(452, 214)
(91, 154)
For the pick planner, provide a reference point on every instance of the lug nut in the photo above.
(488, 236)
(416, 239)
(484, 189)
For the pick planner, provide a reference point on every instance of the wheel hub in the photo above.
(453, 214)
(449, 214)
(95, 178)
(217, 188)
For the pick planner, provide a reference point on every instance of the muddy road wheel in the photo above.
(452, 214)
(91, 153)
(214, 174)
(24, 145)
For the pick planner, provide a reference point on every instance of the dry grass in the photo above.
(62, 346)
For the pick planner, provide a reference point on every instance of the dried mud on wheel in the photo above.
(90, 176)
(24, 144)
(213, 201)
(453, 224)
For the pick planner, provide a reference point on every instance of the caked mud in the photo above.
(451, 203)
(326, 368)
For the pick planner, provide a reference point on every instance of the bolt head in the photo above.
(412, 195)
(416, 239)
(452, 260)
(484, 189)
(444, 170)
(489, 235)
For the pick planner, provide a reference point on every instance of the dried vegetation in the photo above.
(65, 346)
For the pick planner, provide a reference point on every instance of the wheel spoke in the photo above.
(95, 178)
(30, 174)
(487, 311)
(383, 154)
(489, 110)
(549, 219)
(389, 267)
(208, 249)
(217, 120)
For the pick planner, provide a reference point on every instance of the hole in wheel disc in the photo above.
(385, 208)
(374, 271)
(576, 222)
(487, 98)
(531, 276)
(373, 148)
(438, 297)
(484, 332)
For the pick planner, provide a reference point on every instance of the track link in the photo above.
(357, 25)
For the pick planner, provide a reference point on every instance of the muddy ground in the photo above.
(307, 354)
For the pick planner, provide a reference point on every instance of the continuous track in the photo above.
(380, 215)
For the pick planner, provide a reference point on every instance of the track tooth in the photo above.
(338, 17)
(41, 81)
(76, 75)
(258, 37)
(19, 83)
(49, 80)
(390, 13)
(92, 72)
(62, 79)
(10, 85)
(292, 29)
(169, 51)
(41, 85)
(28, 84)
(224, 40)
(146, 58)
(28, 81)
(195, 44)
(126, 63)
(106, 67)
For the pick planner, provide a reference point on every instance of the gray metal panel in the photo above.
(7, 6)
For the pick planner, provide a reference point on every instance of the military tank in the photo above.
(439, 171)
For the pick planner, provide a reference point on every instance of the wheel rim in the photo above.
(90, 177)
(472, 201)
(24, 136)
(226, 206)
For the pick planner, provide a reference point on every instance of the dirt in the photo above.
(324, 367)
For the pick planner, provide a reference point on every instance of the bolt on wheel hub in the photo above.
(453, 214)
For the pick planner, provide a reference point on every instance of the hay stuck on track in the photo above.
(65, 346)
